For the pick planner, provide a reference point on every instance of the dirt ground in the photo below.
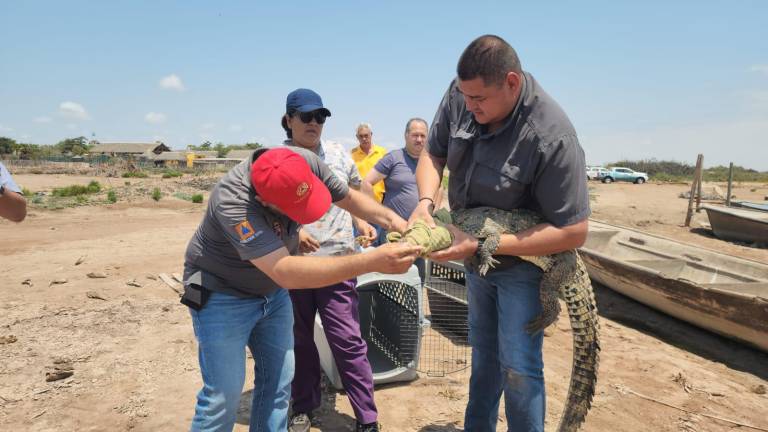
(130, 345)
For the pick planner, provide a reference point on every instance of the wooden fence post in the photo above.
(730, 184)
(701, 178)
(696, 180)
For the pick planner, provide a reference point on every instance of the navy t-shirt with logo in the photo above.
(236, 228)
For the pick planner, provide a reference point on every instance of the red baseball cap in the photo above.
(283, 178)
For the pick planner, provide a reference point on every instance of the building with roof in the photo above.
(129, 149)
(181, 158)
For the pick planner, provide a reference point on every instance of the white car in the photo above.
(596, 172)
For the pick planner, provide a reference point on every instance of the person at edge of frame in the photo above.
(13, 206)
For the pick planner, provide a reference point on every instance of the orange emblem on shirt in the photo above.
(244, 230)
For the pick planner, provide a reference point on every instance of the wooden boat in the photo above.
(718, 292)
(751, 205)
(740, 224)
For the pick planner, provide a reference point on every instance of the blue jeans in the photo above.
(505, 358)
(224, 327)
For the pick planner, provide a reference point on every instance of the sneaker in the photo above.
(369, 427)
(299, 422)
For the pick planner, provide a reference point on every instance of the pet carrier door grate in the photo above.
(407, 325)
(444, 345)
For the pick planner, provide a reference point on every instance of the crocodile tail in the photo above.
(582, 311)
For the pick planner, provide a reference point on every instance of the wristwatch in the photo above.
(2, 189)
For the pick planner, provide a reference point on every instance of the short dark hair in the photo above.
(415, 119)
(284, 123)
(488, 57)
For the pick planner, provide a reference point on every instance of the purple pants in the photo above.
(337, 306)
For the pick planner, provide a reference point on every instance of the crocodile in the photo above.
(564, 274)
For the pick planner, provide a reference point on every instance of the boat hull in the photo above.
(729, 307)
(732, 224)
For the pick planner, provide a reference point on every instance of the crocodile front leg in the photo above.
(491, 243)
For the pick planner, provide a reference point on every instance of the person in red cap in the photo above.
(240, 259)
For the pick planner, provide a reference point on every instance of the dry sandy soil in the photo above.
(133, 352)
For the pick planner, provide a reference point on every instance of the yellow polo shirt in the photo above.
(366, 162)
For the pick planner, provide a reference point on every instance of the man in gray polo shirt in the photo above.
(507, 145)
(239, 259)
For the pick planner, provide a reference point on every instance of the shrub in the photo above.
(136, 174)
(94, 187)
(172, 173)
(679, 171)
(156, 194)
(197, 198)
(112, 196)
(81, 199)
(26, 192)
(670, 178)
(76, 190)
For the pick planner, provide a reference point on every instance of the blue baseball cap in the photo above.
(305, 100)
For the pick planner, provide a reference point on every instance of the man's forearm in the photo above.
(13, 206)
(367, 188)
(296, 272)
(429, 173)
(543, 239)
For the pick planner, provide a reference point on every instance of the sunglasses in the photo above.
(307, 117)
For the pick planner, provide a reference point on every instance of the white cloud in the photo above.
(763, 69)
(155, 118)
(235, 128)
(43, 119)
(172, 82)
(71, 126)
(208, 126)
(73, 110)
(5, 129)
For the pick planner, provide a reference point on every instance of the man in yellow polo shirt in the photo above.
(366, 155)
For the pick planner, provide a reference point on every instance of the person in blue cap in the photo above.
(336, 304)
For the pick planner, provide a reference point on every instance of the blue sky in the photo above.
(642, 80)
